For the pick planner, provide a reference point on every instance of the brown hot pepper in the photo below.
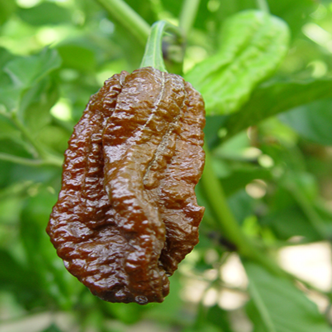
(127, 211)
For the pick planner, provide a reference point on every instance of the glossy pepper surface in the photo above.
(127, 211)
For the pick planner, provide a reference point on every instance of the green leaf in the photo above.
(7, 129)
(206, 327)
(241, 176)
(126, 313)
(253, 45)
(6, 170)
(219, 318)
(19, 280)
(27, 70)
(212, 126)
(23, 73)
(54, 137)
(290, 221)
(78, 55)
(5, 56)
(13, 273)
(6, 10)
(294, 12)
(36, 103)
(170, 310)
(9, 94)
(279, 306)
(15, 146)
(34, 112)
(241, 205)
(313, 121)
(46, 13)
(53, 278)
(52, 328)
(202, 323)
(276, 97)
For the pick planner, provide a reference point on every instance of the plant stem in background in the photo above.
(263, 6)
(153, 55)
(214, 192)
(126, 16)
(227, 223)
(31, 162)
(188, 15)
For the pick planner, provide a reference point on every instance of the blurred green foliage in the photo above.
(271, 153)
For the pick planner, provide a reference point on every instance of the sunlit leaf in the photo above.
(253, 45)
(24, 72)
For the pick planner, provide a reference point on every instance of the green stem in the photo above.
(153, 55)
(126, 16)
(188, 15)
(263, 6)
(216, 197)
(31, 162)
(14, 190)
(226, 221)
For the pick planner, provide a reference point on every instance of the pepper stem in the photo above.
(153, 55)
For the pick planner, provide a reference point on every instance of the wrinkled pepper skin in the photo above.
(127, 212)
